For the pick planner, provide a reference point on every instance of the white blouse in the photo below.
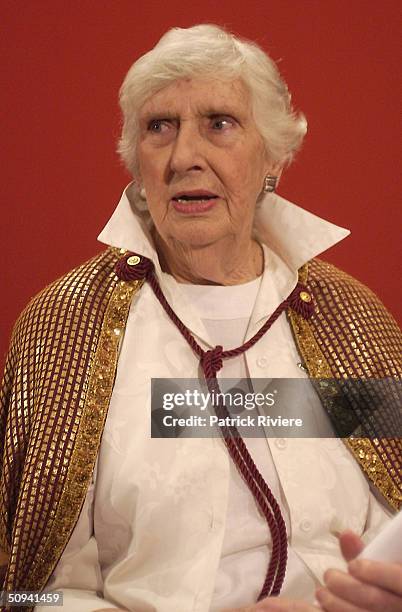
(168, 525)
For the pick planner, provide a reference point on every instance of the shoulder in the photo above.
(85, 288)
(328, 281)
(350, 318)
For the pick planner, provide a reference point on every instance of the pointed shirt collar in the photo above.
(294, 234)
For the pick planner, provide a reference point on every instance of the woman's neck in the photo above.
(225, 262)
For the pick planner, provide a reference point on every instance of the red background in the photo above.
(64, 62)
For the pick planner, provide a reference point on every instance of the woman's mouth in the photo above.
(191, 202)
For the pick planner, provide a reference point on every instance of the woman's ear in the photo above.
(138, 184)
(136, 178)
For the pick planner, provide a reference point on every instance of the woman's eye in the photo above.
(221, 123)
(156, 125)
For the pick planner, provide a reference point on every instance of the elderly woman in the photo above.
(203, 258)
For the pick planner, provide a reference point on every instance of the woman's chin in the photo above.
(198, 233)
(197, 238)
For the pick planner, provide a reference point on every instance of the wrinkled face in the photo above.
(201, 161)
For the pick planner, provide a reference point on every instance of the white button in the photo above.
(281, 443)
(262, 362)
(305, 525)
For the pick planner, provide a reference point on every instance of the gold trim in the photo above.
(303, 274)
(368, 453)
(89, 434)
(311, 353)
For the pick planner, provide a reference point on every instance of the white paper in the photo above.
(387, 545)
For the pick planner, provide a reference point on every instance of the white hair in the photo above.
(204, 51)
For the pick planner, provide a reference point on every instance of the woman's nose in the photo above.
(188, 151)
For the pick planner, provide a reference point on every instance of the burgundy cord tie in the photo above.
(212, 362)
(133, 267)
(136, 267)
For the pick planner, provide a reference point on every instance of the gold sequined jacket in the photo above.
(59, 378)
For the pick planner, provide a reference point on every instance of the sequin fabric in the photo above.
(352, 336)
(55, 394)
(59, 377)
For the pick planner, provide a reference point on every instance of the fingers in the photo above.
(377, 602)
(332, 603)
(351, 545)
(385, 575)
(346, 592)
